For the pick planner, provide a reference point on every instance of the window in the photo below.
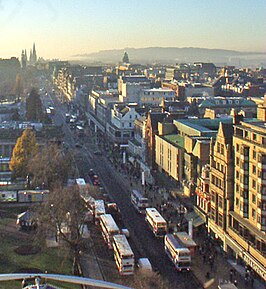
(220, 202)
(254, 155)
(253, 199)
(254, 184)
(218, 147)
(254, 137)
(237, 161)
(222, 149)
(254, 170)
(237, 147)
(237, 175)
(237, 202)
(220, 220)
(253, 214)
(213, 196)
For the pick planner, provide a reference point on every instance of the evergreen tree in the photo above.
(34, 110)
(26, 147)
(125, 58)
(18, 89)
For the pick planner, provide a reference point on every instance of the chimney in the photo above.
(237, 118)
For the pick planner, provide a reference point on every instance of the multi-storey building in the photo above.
(247, 221)
(221, 181)
(203, 202)
(224, 105)
(154, 96)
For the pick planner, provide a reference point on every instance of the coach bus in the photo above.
(177, 252)
(138, 201)
(123, 255)
(109, 228)
(156, 222)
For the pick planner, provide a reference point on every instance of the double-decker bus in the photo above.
(123, 255)
(99, 209)
(109, 228)
(156, 222)
(138, 201)
(177, 252)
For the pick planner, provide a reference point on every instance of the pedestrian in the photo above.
(251, 281)
(246, 278)
(231, 275)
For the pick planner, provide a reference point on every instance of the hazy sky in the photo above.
(63, 28)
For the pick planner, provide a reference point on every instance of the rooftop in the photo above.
(175, 139)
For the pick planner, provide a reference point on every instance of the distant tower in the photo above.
(23, 59)
(125, 58)
(34, 55)
(30, 59)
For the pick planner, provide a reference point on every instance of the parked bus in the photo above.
(123, 255)
(99, 209)
(177, 252)
(109, 229)
(156, 222)
(138, 201)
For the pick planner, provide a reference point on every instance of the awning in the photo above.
(196, 219)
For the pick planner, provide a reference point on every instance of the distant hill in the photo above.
(172, 55)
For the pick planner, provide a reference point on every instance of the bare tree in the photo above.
(50, 167)
(64, 214)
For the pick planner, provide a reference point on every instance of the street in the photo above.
(142, 240)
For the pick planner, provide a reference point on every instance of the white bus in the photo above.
(99, 209)
(123, 255)
(178, 253)
(109, 229)
(156, 222)
(138, 201)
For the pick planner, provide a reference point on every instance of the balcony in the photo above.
(244, 172)
(261, 181)
(262, 166)
(244, 157)
(244, 186)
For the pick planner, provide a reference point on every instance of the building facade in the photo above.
(247, 221)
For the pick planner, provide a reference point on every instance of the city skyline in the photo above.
(64, 29)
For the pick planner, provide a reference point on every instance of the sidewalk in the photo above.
(89, 263)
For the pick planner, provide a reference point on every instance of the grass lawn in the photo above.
(52, 260)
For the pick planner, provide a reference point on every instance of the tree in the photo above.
(64, 215)
(18, 89)
(25, 148)
(34, 110)
(51, 166)
(125, 58)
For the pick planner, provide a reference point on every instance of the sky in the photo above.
(63, 28)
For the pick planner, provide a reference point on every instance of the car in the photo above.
(78, 145)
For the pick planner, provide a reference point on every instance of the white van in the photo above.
(144, 266)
